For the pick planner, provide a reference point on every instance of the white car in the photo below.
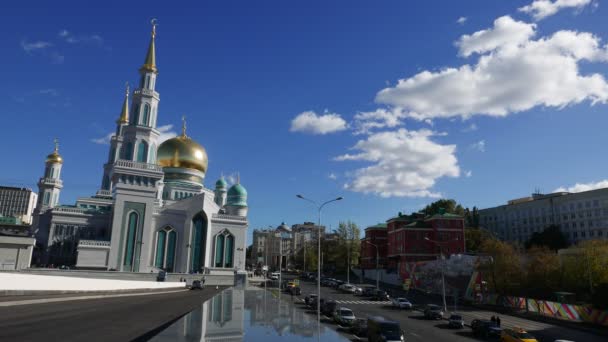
(402, 303)
(344, 316)
(274, 276)
(347, 288)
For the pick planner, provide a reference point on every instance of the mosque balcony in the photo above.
(129, 164)
(51, 181)
(104, 193)
(94, 243)
(78, 211)
(224, 217)
(146, 92)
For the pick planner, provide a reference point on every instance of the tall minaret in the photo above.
(140, 135)
(49, 186)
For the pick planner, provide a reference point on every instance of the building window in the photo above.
(142, 152)
(160, 249)
(199, 223)
(46, 198)
(224, 250)
(146, 115)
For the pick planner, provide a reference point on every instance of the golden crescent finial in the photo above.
(154, 22)
(56, 142)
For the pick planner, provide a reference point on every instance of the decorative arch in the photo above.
(166, 241)
(142, 152)
(145, 121)
(198, 242)
(128, 151)
(132, 223)
(224, 249)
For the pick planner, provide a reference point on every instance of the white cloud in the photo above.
(310, 122)
(479, 146)
(471, 128)
(404, 164)
(468, 174)
(34, 46)
(580, 187)
(166, 133)
(105, 140)
(513, 73)
(461, 20)
(540, 9)
(380, 118)
(68, 37)
(332, 176)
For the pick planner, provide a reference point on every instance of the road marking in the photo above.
(362, 302)
(67, 299)
(414, 334)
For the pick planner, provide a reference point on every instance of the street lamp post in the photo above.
(377, 267)
(319, 208)
(440, 257)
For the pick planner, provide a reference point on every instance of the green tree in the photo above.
(474, 238)
(503, 267)
(543, 272)
(448, 205)
(551, 237)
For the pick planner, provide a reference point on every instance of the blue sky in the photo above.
(496, 99)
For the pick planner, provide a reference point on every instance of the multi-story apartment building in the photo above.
(580, 216)
(18, 203)
(270, 245)
(374, 247)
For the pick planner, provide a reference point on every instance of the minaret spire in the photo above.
(184, 126)
(124, 115)
(56, 142)
(150, 62)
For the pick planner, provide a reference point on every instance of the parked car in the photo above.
(456, 321)
(433, 311)
(295, 290)
(162, 276)
(381, 329)
(348, 288)
(485, 328)
(359, 327)
(401, 303)
(329, 307)
(369, 291)
(360, 289)
(380, 295)
(516, 335)
(315, 302)
(344, 316)
(310, 298)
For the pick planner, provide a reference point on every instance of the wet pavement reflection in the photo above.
(251, 314)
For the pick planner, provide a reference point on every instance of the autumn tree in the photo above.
(543, 272)
(503, 266)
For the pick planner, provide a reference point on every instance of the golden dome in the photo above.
(182, 152)
(54, 158)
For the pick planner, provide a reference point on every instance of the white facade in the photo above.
(146, 217)
(18, 203)
(580, 216)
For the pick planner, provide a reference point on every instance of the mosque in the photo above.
(152, 211)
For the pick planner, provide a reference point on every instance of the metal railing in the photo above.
(138, 165)
(93, 243)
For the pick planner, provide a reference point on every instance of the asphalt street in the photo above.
(107, 319)
(419, 329)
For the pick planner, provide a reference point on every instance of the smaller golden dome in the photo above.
(55, 157)
(182, 152)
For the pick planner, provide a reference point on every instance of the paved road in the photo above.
(419, 329)
(108, 319)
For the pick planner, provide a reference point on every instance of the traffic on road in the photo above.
(364, 312)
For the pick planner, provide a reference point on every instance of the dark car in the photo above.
(196, 285)
(433, 311)
(485, 328)
(380, 295)
(328, 307)
(368, 291)
(162, 276)
(359, 327)
(309, 299)
(381, 329)
(337, 283)
(295, 290)
(314, 303)
(456, 321)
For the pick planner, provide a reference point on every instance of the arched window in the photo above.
(46, 198)
(199, 241)
(229, 252)
(128, 151)
(106, 183)
(135, 116)
(219, 250)
(112, 155)
(160, 249)
(152, 154)
(142, 152)
(131, 236)
(171, 243)
(146, 116)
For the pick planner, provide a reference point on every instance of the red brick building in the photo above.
(407, 239)
(377, 236)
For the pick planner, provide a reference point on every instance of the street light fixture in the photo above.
(319, 208)
(377, 267)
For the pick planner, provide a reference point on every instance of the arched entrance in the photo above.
(198, 243)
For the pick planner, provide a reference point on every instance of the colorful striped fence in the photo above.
(576, 313)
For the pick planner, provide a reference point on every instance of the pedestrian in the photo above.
(498, 321)
(203, 280)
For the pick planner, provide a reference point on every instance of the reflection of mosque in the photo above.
(219, 319)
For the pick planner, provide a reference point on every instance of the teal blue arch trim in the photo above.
(219, 250)
(172, 241)
(198, 242)
(229, 252)
(132, 222)
(142, 152)
(160, 249)
(128, 151)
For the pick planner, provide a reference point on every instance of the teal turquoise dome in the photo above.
(237, 195)
(221, 184)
